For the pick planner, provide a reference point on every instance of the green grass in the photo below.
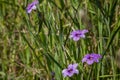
(32, 46)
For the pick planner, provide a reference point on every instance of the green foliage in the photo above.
(36, 44)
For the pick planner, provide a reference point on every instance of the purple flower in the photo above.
(77, 34)
(53, 74)
(91, 58)
(70, 70)
(32, 6)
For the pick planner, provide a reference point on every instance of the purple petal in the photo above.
(71, 36)
(96, 55)
(70, 74)
(64, 72)
(84, 31)
(84, 60)
(75, 65)
(89, 62)
(76, 38)
(32, 6)
(70, 66)
(82, 36)
(76, 71)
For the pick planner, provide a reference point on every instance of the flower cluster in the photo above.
(32, 6)
(75, 35)
(91, 58)
(88, 58)
(70, 71)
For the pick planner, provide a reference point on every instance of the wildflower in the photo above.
(77, 34)
(53, 75)
(70, 70)
(32, 6)
(91, 58)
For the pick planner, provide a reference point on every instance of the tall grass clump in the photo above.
(60, 40)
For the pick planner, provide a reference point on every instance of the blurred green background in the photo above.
(36, 44)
